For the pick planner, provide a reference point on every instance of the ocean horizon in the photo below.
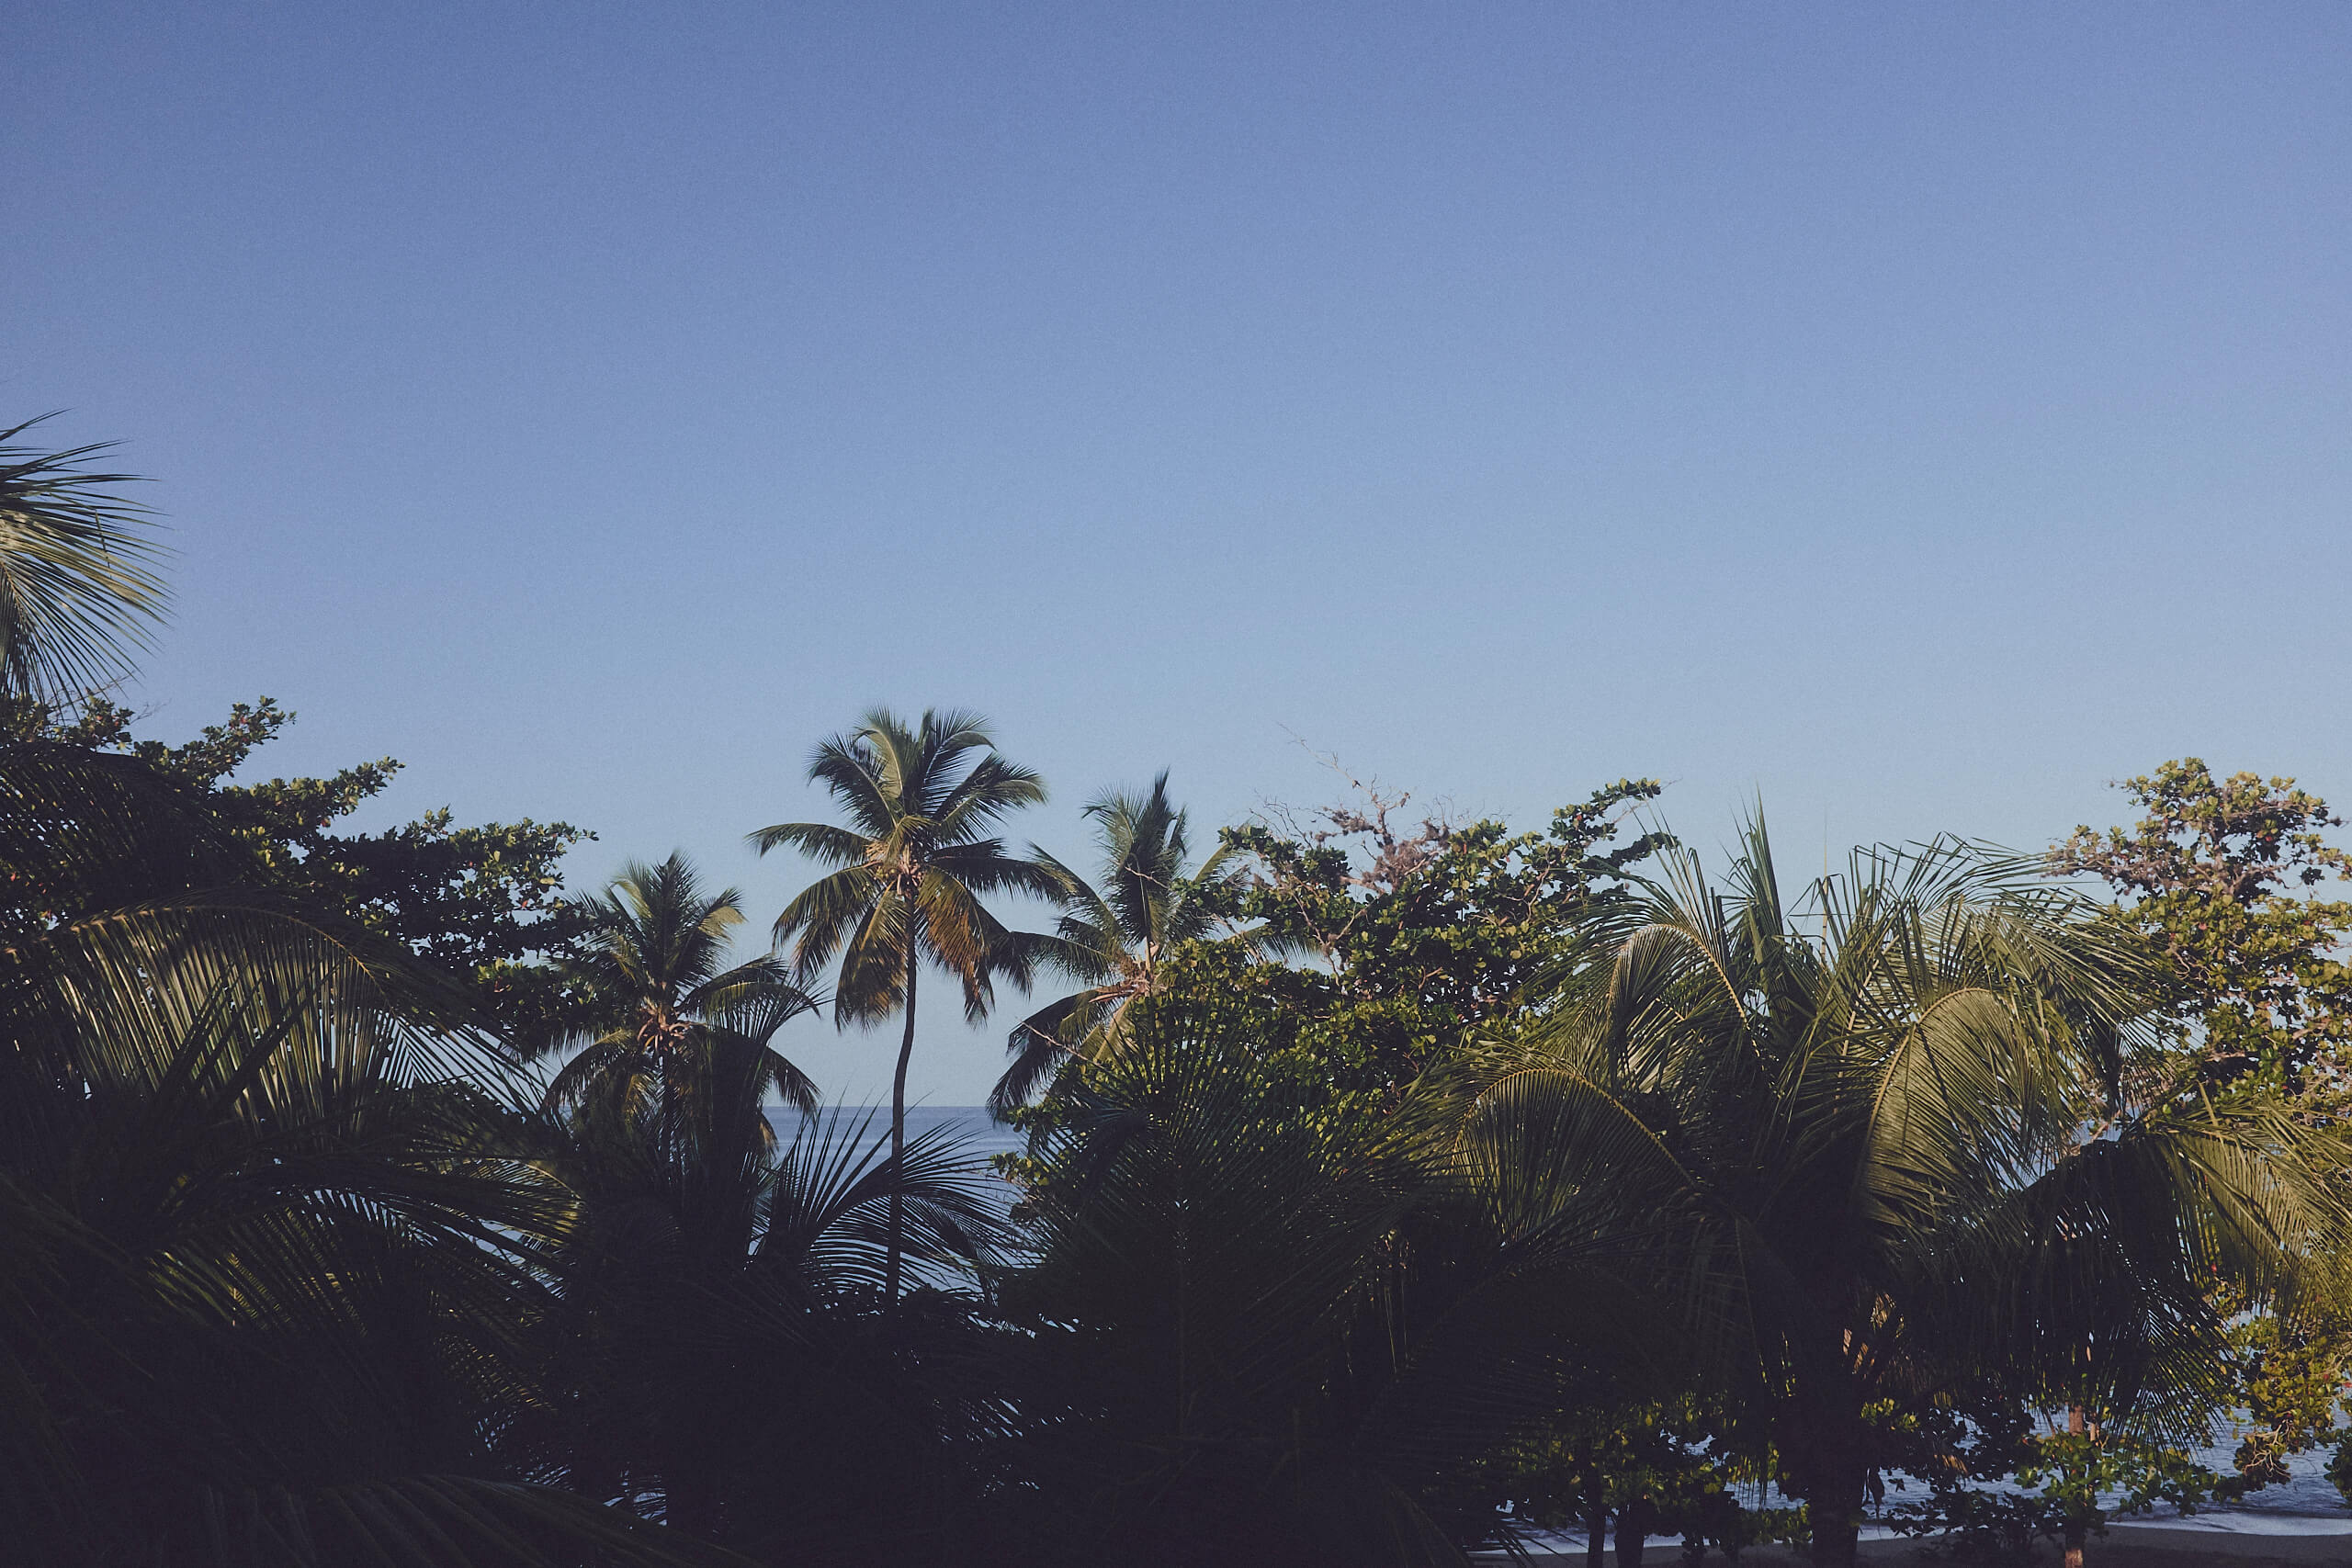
(972, 1127)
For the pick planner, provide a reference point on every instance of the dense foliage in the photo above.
(1393, 1188)
(483, 902)
(2220, 881)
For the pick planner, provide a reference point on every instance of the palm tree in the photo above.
(711, 1277)
(1114, 941)
(267, 1236)
(264, 1224)
(78, 588)
(912, 867)
(1898, 1151)
(659, 997)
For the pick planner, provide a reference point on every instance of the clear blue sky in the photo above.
(1917, 415)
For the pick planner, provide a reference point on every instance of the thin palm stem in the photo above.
(899, 1124)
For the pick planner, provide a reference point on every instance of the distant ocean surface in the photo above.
(970, 1125)
(2307, 1504)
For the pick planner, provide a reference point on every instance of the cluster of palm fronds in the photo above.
(302, 1265)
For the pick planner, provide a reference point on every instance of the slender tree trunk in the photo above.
(1596, 1511)
(898, 1127)
(2076, 1424)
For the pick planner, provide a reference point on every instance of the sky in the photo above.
(1912, 418)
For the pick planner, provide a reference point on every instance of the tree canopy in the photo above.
(1396, 1186)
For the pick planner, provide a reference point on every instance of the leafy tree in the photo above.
(657, 1001)
(1898, 1155)
(1652, 1466)
(1117, 941)
(1255, 1335)
(2065, 1484)
(2219, 875)
(2219, 879)
(1413, 938)
(2286, 1371)
(912, 866)
(485, 903)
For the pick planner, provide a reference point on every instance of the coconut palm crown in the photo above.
(1114, 940)
(911, 865)
(660, 991)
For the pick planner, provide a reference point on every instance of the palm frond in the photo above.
(1044, 1042)
(821, 841)
(78, 585)
(853, 775)
(823, 914)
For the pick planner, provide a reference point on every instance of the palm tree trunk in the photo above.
(2076, 1424)
(1833, 1473)
(1836, 1527)
(1596, 1517)
(898, 1127)
(1824, 1442)
(1633, 1521)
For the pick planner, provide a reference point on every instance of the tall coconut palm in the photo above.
(1899, 1148)
(912, 865)
(660, 996)
(1114, 941)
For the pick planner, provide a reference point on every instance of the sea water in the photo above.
(977, 1133)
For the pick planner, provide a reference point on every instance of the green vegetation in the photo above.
(1117, 942)
(911, 871)
(1393, 1188)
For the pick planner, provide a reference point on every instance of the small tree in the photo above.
(2219, 880)
(2219, 875)
(658, 995)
